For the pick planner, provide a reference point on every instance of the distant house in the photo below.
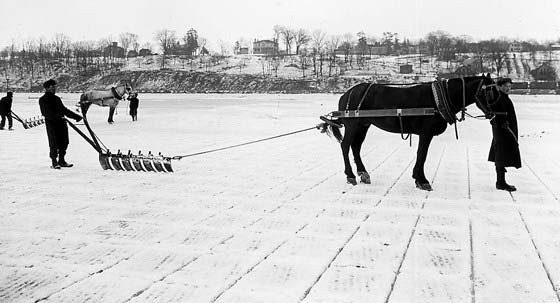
(114, 50)
(378, 49)
(144, 52)
(243, 51)
(544, 72)
(132, 54)
(265, 47)
(555, 46)
(516, 46)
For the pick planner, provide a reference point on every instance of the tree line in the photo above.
(318, 53)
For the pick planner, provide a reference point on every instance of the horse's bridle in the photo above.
(483, 89)
(482, 105)
(127, 89)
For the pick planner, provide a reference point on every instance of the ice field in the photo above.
(275, 221)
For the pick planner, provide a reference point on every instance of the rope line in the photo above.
(242, 144)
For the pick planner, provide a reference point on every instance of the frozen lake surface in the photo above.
(275, 221)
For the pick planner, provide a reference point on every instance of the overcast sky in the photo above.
(225, 21)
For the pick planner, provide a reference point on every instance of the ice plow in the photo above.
(124, 161)
(29, 122)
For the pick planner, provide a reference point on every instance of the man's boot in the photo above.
(62, 162)
(54, 164)
(501, 180)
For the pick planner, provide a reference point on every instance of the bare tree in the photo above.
(202, 43)
(224, 48)
(277, 32)
(166, 39)
(497, 52)
(288, 37)
(126, 40)
(347, 45)
(302, 38)
(61, 43)
(318, 40)
(135, 45)
(332, 44)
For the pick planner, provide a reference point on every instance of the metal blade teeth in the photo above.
(131, 162)
(32, 122)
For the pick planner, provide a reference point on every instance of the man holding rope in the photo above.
(504, 151)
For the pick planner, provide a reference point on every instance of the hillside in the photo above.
(247, 73)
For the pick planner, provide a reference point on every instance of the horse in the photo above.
(109, 98)
(445, 98)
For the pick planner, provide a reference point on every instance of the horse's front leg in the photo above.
(111, 113)
(84, 108)
(356, 149)
(421, 154)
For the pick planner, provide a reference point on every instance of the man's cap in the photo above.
(49, 83)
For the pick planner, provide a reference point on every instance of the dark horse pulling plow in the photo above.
(424, 109)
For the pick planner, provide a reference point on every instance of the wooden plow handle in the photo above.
(128, 161)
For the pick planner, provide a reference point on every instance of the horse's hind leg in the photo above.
(350, 130)
(356, 148)
(421, 154)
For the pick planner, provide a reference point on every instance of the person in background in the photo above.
(504, 151)
(6, 110)
(133, 98)
(57, 130)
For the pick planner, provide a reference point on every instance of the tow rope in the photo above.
(243, 144)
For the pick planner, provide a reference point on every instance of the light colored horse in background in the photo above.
(109, 98)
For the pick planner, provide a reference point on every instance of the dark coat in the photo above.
(54, 111)
(5, 105)
(133, 106)
(504, 150)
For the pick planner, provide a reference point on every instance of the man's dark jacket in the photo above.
(133, 106)
(5, 105)
(54, 111)
(504, 151)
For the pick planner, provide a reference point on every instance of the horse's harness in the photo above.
(444, 107)
(116, 93)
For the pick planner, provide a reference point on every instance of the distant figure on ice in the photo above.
(504, 151)
(6, 111)
(55, 121)
(133, 98)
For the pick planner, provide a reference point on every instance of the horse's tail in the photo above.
(336, 133)
(331, 128)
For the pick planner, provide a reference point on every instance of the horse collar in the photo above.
(116, 94)
(441, 97)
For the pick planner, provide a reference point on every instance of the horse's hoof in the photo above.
(351, 181)
(364, 177)
(424, 186)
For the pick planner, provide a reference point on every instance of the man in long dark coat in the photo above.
(6, 111)
(133, 98)
(504, 151)
(55, 121)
